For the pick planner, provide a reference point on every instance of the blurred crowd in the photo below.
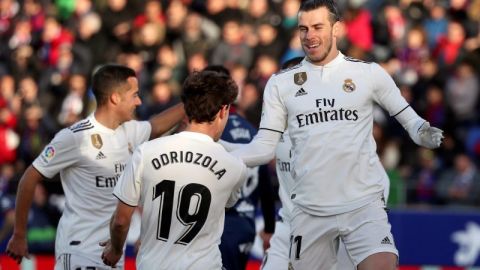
(49, 48)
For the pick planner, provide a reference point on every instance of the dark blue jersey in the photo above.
(258, 185)
(239, 231)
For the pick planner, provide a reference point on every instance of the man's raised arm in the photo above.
(260, 150)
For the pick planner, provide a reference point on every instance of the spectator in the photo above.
(54, 37)
(8, 137)
(74, 105)
(423, 180)
(413, 54)
(42, 223)
(449, 49)
(164, 94)
(199, 35)
(460, 185)
(436, 25)
(358, 26)
(232, 49)
(462, 93)
(435, 110)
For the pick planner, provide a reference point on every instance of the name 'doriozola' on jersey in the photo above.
(199, 159)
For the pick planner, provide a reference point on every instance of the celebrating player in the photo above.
(276, 257)
(184, 182)
(90, 156)
(326, 102)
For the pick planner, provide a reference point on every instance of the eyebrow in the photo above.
(314, 25)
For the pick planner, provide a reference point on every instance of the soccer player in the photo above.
(90, 156)
(276, 257)
(183, 182)
(326, 103)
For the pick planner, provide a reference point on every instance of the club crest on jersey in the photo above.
(349, 86)
(96, 141)
(300, 78)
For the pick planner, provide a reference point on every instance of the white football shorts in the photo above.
(276, 256)
(315, 239)
(69, 261)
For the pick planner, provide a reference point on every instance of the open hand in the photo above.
(430, 137)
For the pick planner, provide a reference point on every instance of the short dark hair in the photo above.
(205, 92)
(331, 5)
(109, 78)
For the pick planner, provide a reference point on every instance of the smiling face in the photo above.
(318, 35)
(129, 100)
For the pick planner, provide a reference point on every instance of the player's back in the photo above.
(187, 181)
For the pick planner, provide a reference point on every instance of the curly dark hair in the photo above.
(205, 92)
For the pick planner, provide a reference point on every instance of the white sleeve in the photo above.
(386, 92)
(260, 150)
(230, 146)
(138, 131)
(60, 153)
(235, 195)
(274, 112)
(128, 188)
(410, 121)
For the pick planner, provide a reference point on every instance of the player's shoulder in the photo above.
(80, 131)
(355, 60)
(357, 63)
(82, 125)
(133, 124)
(288, 70)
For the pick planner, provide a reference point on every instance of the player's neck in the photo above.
(331, 55)
(204, 128)
(107, 118)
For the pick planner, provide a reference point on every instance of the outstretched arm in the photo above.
(17, 247)
(387, 94)
(166, 120)
(260, 150)
(419, 129)
(119, 225)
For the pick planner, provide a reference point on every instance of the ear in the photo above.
(223, 113)
(115, 98)
(337, 29)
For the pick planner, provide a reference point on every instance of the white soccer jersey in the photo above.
(285, 181)
(329, 114)
(184, 182)
(90, 158)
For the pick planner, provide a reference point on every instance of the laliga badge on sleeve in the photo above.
(48, 153)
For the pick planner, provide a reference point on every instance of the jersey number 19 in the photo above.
(194, 193)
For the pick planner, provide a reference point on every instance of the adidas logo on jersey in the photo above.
(301, 92)
(100, 155)
(386, 241)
